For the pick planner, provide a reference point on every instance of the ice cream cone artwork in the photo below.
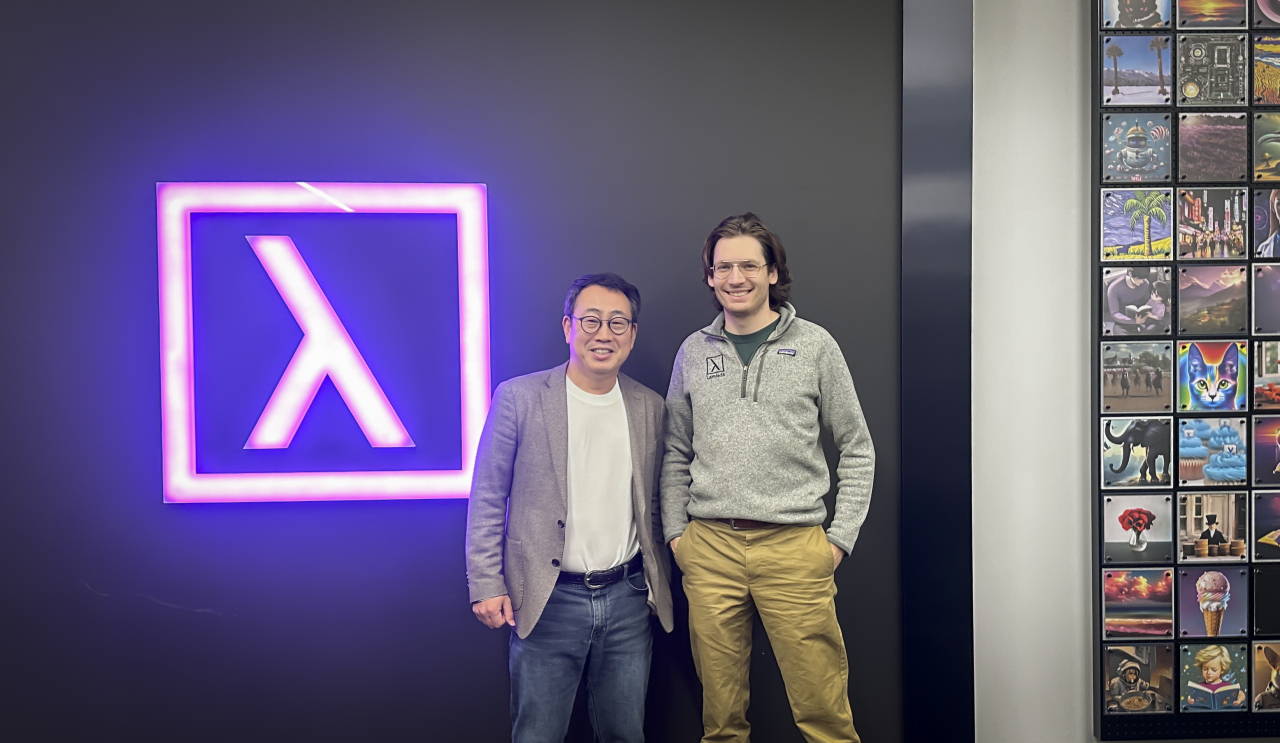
(1214, 592)
(1213, 621)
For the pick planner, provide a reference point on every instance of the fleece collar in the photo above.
(788, 313)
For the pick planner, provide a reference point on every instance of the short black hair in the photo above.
(609, 281)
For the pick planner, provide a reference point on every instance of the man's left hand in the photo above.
(837, 555)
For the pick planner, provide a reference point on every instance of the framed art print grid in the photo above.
(1186, 368)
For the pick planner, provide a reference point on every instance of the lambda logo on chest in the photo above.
(715, 366)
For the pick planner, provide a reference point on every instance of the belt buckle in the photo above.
(733, 524)
(587, 581)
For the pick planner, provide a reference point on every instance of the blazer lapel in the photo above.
(555, 416)
(638, 428)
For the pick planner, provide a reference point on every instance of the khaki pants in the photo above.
(785, 574)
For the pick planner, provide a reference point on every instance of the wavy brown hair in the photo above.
(774, 254)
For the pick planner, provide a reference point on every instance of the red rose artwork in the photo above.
(1136, 519)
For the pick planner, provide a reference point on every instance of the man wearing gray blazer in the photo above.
(564, 538)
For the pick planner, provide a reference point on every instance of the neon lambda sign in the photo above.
(326, 349)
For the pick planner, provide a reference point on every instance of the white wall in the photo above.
(1032, 641)
(1031, 314)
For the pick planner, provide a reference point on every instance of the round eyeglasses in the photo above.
(591, 324)
(749, 269)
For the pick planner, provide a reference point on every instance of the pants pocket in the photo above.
(637, 582)
(683, 548)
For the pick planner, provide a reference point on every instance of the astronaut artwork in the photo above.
(1135, 148)
(1139, 678)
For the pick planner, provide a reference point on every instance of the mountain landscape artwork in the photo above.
(1136, 70)
(1213, 299)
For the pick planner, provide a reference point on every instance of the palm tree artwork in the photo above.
(1115, 53)
(1144, 205)
(1158, 45)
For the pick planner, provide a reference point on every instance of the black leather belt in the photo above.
(740, 524)
(602, 578)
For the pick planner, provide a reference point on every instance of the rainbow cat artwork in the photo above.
(1213, 376)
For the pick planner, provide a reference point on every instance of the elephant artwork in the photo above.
(1136, 453)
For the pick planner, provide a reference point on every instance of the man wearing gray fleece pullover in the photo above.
(743, 477)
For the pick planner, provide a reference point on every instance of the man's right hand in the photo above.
(494, 612)
(674, 543)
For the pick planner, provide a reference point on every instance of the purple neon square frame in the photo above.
(176, 202)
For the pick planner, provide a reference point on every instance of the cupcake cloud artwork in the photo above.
(1212, 452)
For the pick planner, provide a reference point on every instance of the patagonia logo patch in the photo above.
(715, 366)
(787, 351)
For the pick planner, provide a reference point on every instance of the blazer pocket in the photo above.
(513, 568)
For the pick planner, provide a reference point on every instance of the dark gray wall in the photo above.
(612, 137)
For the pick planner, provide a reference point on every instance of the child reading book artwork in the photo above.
(1135, 303)
(1216, 691)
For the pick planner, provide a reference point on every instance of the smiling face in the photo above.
(741, 296)
(595, 358)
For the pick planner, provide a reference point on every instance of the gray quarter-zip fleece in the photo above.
(742, 439)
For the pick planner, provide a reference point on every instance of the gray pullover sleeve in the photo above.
(839, 410)
(674, 479)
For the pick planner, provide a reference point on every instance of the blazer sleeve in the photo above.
(490, 489)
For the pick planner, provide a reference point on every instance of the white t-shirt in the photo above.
(600, 531)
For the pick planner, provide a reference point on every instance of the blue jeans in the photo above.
(604, 631)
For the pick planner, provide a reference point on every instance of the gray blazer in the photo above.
(521, 484)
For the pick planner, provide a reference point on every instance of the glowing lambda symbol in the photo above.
(326, 350)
